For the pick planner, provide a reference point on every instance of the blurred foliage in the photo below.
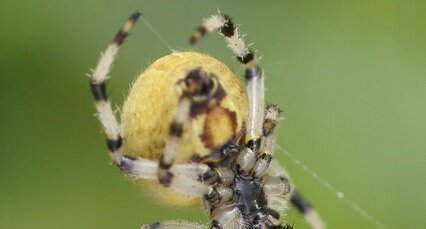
(350, 76)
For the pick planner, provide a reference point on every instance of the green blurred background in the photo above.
(350, 76)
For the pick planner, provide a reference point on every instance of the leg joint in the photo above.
(98, 91)
(114, 144)
(166, 179)
(228, 28)
(253, 72)
(301, 204)
(249, 56)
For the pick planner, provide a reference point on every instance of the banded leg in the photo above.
(185, 176)
(278, 189)
(227, 217)
(272, 116)
(98, 88)
(253, 73)
(196, 86)
(276, 201)
(174, 225)
(176, 129)
(258, 164)
(311, 216)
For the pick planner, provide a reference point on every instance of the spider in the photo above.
(190, 131)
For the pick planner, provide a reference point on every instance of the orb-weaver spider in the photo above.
(190, 132)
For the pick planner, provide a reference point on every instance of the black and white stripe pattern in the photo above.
(255, 83)
(98, 88)
(272, 116)
(268, 140)
(305, 208)
(195, 84)
(213, 184)
(185, 176)
(172, 144)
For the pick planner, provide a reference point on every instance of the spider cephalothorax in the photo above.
(191, 132)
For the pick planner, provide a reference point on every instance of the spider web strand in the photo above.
(339, 194)
(157, 34)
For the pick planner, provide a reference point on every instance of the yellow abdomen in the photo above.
(151, 107)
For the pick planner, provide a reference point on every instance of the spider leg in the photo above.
(165, 177)
(194, 88)
(227, 217)
(186, 177)
(305, 208)
(98, 88)
(278, 199)
(272, 116)
(223, 25)
(174, 225)
(278, 189)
